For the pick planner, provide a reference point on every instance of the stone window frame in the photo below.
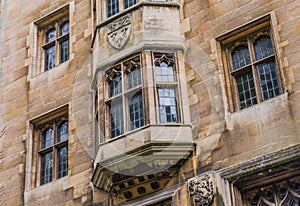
(169, 59)
(51, 119)
(235, 181)
(247, 33)
(56, 42)
(123, 97)
(145, 90)
(36, 40)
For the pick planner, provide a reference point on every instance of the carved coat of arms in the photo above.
(118, 31)
(201, 190)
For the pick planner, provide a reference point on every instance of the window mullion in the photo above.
(254, 71)
(124, 100)
(121, 5)
(54, 152)
(57, 52)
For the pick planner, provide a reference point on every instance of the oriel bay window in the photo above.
(56, 45)
(129, 99)
(53, 150)
(253, 69)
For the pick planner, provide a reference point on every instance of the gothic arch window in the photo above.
(53, 149)
(127, 93)
(253, 69)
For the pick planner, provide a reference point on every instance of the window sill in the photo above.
(58, 184)
(49, 75)
(165, 133)
(265, 109)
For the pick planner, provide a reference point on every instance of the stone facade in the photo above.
(213, 154)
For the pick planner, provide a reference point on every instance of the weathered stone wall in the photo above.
(223, 138)
(226, 138)
(25, 97)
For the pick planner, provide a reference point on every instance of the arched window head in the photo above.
(63, 131)
(240, 56)
(50, 35)
(47, 138)
(64, 28)
(263, 47)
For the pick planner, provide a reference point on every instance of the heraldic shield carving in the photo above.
(201, 190)
(118, 31)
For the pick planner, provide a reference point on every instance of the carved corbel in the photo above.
(201, 190)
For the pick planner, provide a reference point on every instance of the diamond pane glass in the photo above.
(263, 47)
(136, 111)
(116, 119)
(46, 169)
(268, 79)
(62, 162)
(240, 57)
(246, 90)
(167, 105)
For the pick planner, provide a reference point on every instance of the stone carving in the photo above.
(201, 190)
(118, 31)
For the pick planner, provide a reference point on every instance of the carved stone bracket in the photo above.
(118, 31)
(201, 190)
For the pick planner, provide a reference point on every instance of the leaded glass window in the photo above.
(136, 111)
(62, 162)
(129, 3)
(166, 84)
(115, 6)
(116, 119)
(56, 47)
(50, 56)
(134, 79)
(54, 143)
(125, 97)
(50, 35)
(246, 90)
(47, 167)
(63, 132)
(254, 69)
(47, 136)
(112, 7)
(167, 105)
(115, 86)
(240, 57)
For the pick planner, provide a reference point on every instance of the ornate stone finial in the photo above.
(201, 190)
(118, 31)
